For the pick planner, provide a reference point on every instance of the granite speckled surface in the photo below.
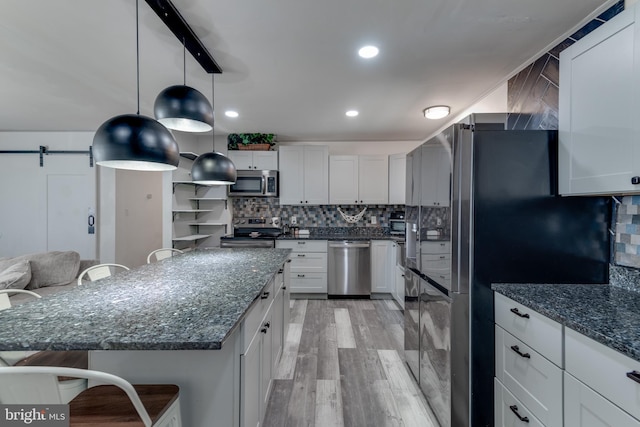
(346, 233)
(624, 277)
(607, 314)
(192, 301)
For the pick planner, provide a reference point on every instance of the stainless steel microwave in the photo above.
(258, 183)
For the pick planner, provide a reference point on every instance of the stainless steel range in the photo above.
(253, 233)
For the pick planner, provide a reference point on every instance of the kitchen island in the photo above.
(188, 320)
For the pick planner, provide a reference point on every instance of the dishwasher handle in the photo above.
(348, 244)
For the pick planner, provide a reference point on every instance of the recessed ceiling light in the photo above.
(436, 112)
(368, 52)
(352, 113)
(231, 113)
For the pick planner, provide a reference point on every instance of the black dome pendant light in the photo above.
(134, 141)
(183, 108)
(213, 168)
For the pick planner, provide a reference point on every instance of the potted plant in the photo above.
(251, 141)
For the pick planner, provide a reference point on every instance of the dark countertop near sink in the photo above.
(345, 233)
(605, 313)
(192, 301)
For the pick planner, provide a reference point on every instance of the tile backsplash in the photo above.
(627, 229)
(312, 216)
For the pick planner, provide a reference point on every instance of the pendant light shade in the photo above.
(183, 108)
(213, 169)
(135, 142)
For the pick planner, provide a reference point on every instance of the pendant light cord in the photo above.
(213, 134)
(137, 58)
(184, 62)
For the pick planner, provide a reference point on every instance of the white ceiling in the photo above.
(289, 66)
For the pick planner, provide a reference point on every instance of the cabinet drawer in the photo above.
(539, 332)
(604, 370)
(303, 245)
(443, 277)
(435, 247)
(256, 313)
(308, 262)
(533, 379)
(509, 411)
(584, 407)
(309, 283)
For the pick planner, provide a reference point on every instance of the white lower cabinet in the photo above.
(583, 407)
(598, 386)
(263, 332)
(381, 251)
(308, 266)
(398, 295)
(530, 377)
(510, 411)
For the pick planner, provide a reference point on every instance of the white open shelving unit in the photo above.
(197, 213)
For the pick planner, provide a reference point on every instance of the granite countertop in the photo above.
(605, 313)
(342, 237)
(192, 301)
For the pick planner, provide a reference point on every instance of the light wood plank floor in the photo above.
(343, 365)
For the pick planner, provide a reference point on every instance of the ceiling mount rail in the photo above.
(45, 150)
(183, 32)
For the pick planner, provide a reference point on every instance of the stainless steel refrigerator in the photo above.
(482, 208)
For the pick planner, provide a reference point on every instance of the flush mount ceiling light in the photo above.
(351, 113)
(368, 52)
(231, 113)
(213, 168)
(133, 141)
(182, 107)
(436, 112)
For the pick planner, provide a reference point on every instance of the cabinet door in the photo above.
(379, 266)
(242, 159)
(584, 407)
(598, 126)
(267, 333)
(373, 180)
(397, 178)
(277, 335)
(399, 282)
(316, 175)
(250, 364)
(265, 160)
(343, 180)
(292, 175)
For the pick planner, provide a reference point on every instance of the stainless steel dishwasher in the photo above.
(349, 268)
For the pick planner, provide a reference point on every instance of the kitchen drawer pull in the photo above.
(300, 275)
(267, 324)
(302, 255)
(517, 313)
(264, 295)
(514, 409)
(517, 350)
(263, 330)
(302, 243)
(634, 375)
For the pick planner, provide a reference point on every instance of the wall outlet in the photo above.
(374, 220)
(293, 220)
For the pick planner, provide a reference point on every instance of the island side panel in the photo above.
(209, 380)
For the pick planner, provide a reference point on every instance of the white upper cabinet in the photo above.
(436, 175)
(397, 178)
(254, 160)
(599, 132)
(304, 175)
(359, 180)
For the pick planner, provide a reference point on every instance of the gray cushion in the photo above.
(16, 276)
(53, 268)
